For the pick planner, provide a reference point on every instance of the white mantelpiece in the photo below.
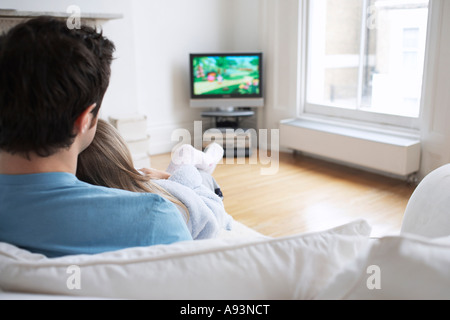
(9, 18)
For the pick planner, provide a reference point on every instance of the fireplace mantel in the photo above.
(9, 18)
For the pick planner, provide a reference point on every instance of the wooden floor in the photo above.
(306, 195)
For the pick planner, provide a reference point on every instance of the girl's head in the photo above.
(108, 162)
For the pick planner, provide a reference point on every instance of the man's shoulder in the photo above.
(100, 192)
(62, 192)
(65, 188)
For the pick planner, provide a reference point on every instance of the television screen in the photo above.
(236, 75)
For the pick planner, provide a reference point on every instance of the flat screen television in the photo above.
(226, 80)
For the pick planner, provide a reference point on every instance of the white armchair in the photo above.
(428, 210)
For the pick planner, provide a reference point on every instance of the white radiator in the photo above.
(392, 154)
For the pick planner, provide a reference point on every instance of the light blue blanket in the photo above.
(207, 215)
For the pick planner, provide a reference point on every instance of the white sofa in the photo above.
(340, 263)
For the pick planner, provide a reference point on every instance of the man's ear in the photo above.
(83, 122)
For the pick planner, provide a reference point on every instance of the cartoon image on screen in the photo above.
(226, 75)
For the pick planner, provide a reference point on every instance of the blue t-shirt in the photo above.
(56, 214)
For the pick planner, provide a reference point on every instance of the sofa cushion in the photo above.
(294, 267)
(398, 268)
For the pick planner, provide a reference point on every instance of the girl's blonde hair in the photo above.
(108, 162)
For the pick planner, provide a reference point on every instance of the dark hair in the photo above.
(49, 75)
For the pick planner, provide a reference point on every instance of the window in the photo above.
(365, 59)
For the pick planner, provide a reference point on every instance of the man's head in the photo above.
(49, 77)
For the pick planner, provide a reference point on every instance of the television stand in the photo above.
(235, 141)
(222, 118)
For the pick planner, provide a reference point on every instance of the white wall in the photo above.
(165, 33)
(280, 42)
(435, 120)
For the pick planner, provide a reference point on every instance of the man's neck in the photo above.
(62, 161)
